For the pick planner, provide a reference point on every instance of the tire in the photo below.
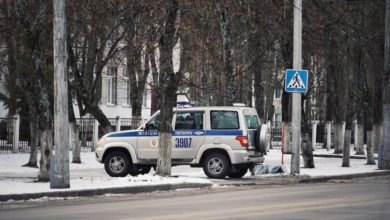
(238, 173)
(216, 165)
(137, 170)
(117, 164)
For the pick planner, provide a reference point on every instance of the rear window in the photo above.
(251, 121)
(224, 120)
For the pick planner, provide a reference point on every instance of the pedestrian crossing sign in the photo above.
(296, 80)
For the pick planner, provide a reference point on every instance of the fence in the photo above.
(15, 133)
(276, 135)
(6, 135)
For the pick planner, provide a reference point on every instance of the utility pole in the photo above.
(296, 97)
(384, 150)
(59, 166)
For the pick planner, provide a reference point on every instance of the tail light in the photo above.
(243, 140)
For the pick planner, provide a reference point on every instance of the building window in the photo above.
(128, 101)
(277, 120)
(112, 85)
(145, 98)
(278, 91)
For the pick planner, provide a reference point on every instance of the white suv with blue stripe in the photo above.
(225, 141)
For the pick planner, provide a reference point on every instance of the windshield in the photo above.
(153, 123)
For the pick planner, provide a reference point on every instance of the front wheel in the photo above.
(216, 165)
(117, 164)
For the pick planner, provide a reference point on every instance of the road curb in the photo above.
(96, 192)
(343, 177)
(362, 157)
(253, 181)
(297, 179)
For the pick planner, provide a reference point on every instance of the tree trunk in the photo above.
(359, 140)
(376, 136)
(11, 79)
(259, 96)
(328, 135)
(74, 142)
(34, 142)
(227, 56)
(286, 142)
(164, 165)
(168, 87)
(339, 131)
(204, 88)
(137, 76)
(370, 148)
(46, 138)
(155, 105)
(307, 152)
(101, 118)
(347, 145)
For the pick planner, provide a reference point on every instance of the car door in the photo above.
(147, 144)
(188, 134)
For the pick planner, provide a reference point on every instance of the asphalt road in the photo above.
(367, 198)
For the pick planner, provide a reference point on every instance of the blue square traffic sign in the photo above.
(296, 80)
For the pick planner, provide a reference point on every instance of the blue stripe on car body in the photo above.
(178, 133)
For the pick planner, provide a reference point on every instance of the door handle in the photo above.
(198, 133)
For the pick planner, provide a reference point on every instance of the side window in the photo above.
(251, 121)
(189, 121)
(153, 124)
(224, 120)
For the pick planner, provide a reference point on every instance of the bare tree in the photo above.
(139, 37)
(35, 68)
(92, 43)
(167, 86)
(227, 54)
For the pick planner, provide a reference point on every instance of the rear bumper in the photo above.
(243, 156)
(256, 157)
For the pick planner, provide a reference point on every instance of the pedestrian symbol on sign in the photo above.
(296, 82)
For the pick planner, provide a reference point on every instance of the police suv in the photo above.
(225, 141)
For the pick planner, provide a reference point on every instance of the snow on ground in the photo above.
(15, 179)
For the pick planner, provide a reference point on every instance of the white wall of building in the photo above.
(122, 107)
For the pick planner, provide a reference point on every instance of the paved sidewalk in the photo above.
(90, 179)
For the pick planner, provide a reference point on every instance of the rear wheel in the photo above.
(238, 172)
(216, 165)
(117, 164)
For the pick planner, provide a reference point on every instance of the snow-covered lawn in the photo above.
(15, 179)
